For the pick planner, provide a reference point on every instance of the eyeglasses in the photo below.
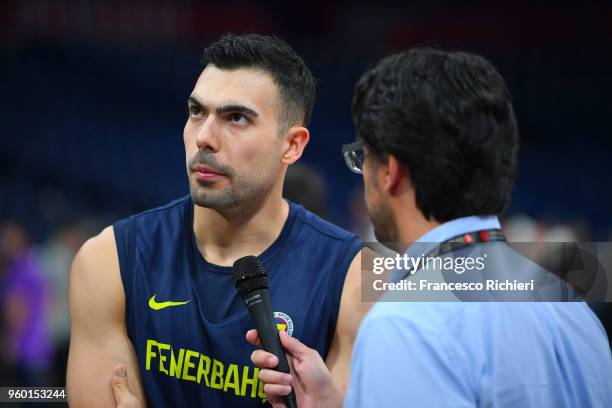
(354, 154)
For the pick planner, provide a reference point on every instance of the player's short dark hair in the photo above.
(448, 118)
(272, 55)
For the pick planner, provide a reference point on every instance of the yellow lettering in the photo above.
(217, 375)
(176, 366)
(188, 365)
(246, 380)
(162, 358)
(150, 353)
(231, 379)
(183, 366)
(203, 369)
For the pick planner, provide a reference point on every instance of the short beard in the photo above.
(241, 190)
(383, 220)
(229, 197)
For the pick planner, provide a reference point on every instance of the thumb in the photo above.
(293, 346)
(120, 384)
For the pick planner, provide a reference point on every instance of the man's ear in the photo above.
(394, 174)
(295, 142)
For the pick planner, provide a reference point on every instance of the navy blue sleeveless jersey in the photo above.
(186, 320)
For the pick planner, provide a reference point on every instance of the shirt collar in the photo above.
(459, 226)
(443, 232)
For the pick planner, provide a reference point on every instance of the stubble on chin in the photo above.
(383, 220)
(216, 200)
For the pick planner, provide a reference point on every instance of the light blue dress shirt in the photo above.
(424, 354)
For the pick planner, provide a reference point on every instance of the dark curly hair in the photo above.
(447, 117)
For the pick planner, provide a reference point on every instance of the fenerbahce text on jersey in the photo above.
(186, 320)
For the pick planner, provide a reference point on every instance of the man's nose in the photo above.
(207, 135)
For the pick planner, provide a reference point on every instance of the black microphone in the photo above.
(252, 283)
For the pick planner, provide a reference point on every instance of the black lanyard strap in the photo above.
(462, 241)
(465, 240)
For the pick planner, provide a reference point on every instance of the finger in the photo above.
(294, 347)
(253, 338)
(120, 383)
(275, 377)
(123, 396)
(263, 359)
(277, 402)
(293, 361)
(275, 391)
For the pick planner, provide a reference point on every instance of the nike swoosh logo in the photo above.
(161, 305)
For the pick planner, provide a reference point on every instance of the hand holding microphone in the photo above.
(311, 379)
(252, 283)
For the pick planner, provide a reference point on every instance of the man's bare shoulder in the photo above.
(98, 339)
(98, 247)
(94, 279)
(352, 310)
(352, 306)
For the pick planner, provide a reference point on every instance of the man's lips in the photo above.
(206, 173)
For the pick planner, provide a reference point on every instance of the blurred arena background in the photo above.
(94, 102)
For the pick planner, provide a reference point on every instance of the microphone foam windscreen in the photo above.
(249, 275)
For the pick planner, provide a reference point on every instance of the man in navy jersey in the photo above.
(152, 297)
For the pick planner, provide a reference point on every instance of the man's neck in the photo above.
(416, 230)
(411, 222)
(224, 236)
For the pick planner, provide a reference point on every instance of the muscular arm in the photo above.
(98, 340)
(352, 310)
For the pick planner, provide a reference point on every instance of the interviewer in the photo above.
(437, 146)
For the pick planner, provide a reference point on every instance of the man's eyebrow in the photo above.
(195, 101)
(231, 108)
(236, 108)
